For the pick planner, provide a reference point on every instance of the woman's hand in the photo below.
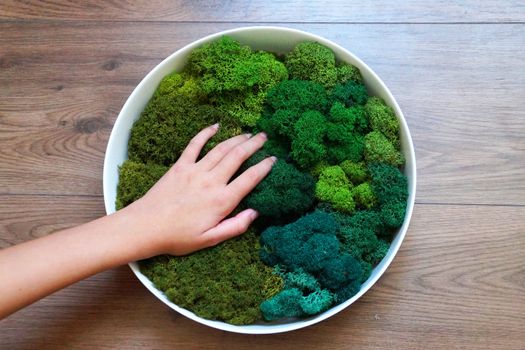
(185, 209)
(183, 212)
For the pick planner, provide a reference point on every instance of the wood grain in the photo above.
(263, 11)
(458, 282)
(455, 67)
(458, 85)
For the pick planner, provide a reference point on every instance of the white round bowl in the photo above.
(278, 40)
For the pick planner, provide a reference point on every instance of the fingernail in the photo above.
(273, 158)
(215, 126)
(248, 135)
(253, 214)
(263, 135)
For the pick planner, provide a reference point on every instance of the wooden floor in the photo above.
(457, 69)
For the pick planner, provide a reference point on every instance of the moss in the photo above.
(334, 187)
(344, 133)
(347, 72)
(312, 61)
(166, 126)
(309, 249)
(284, 192)
(364, 196)
(226, 65)
(379, 149)
(355, 172)
(349, 93)
(391, 189)
(308, 147)
(135, 179)
(383, 119)
(322, 122)
(298, 96)
(225, 283)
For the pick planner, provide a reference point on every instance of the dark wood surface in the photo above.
(456, 68)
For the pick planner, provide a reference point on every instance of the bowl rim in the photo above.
(394, 246)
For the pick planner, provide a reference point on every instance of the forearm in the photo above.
(37, 268)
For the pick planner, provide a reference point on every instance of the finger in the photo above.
(229, 228)
(192, 151)
(246, 182)
(218, 152)
(231, 162)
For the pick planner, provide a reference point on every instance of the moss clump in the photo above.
(284, 192)
(383, 119)
(356, 172)
(391, 189)
(379, 149)
(318, 272)
(135, 179)
(349, 93)
(334, 187)
(225, 283)
(347, 72)
(236, 78)
(308, 147)
(312, 61)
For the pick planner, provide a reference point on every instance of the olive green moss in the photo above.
(225, 283)
(135, 179)
(327, 209)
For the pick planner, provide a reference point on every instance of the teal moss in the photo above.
(318, 273)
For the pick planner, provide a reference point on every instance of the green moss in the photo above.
(364, 196)
(225, 283)
(166, 126)
(383, 119)
(334, 187)
(391, 189)
(317, 122)
(347, 72)
(349, 93)
(355, 172)
(379, 149)
(284, 192)
(308, 147)
(343, 135)
(298, 96)
(135, 179)
(312, 61)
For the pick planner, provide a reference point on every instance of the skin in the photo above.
(185, 211)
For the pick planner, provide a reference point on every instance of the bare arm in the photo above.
(185, 211)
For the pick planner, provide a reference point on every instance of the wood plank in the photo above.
(264, 11)
(459, 87)
(458, 282)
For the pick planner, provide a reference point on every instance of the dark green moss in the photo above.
(349, 93)
(135, 179)
(225, 283)
(284, 192)
(308, 146)
(298, 96)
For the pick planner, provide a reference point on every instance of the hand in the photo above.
(185, 210)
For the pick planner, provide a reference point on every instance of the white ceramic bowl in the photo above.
(274, 39)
